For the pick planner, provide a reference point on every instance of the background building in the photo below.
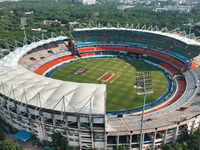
(85, 2)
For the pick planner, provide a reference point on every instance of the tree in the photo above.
(187, 142)
(59, 142)
(2, 135)
(8, 145)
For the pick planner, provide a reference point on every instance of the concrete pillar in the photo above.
(91, 131)
(154, 140)
(176, 132)
(67, 134)
(44, 131)
(79, 132)
(43, 126)
(66, 126)
(143, 134)
(165, 137)
(130, 141)
(117, 141)
(54, 120)
(105, 141)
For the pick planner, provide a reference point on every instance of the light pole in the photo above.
(143, 87)
(24, 23)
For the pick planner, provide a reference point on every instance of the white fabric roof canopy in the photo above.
(25, 86)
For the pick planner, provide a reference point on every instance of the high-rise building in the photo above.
(85, 2)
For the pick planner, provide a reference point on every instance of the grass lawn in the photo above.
(121, 94)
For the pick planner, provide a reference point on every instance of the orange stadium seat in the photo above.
(193, 66)
(87, 54)
(165, 58)
(50, 64)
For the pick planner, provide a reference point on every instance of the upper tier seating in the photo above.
(172, 61)
(148, 39)
(165, 58)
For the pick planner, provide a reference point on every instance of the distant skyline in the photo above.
(8, 0)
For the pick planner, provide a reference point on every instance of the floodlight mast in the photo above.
(142, 118)
(146, 79)
(24, 23)
(25, 37)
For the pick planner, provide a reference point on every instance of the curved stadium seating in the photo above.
(51, 64)
(142, 38)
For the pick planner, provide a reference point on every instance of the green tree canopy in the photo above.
(8, 145)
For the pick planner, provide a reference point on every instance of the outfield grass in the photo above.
(120, 94)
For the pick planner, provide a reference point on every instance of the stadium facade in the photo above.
(31, 101)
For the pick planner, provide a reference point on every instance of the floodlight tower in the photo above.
(143, 87)
(24, 23)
